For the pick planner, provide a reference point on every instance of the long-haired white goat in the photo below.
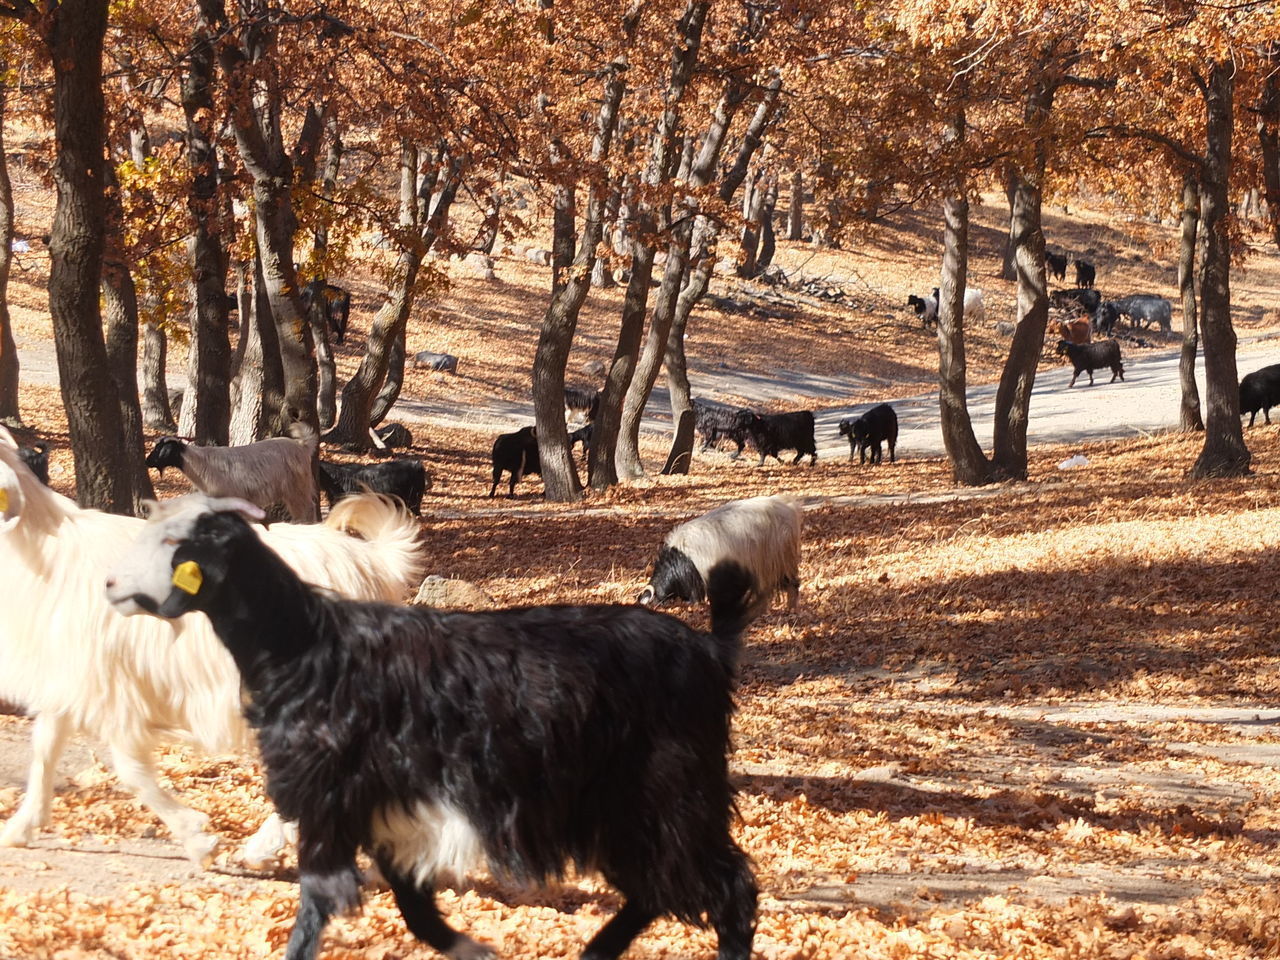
(77, 665)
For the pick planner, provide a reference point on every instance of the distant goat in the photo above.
(516, 454)
(1260, 390)
(1085, 301)
(867, 432)
(272, 471)
(762, 534)
(716, 421)
(1086, 273)
(1092, 356)
(440, 362)
(528, 739)
(1056, 264)
(975, 310)
(581, 403)
(774, 432)
(404, 479)
(77, 666)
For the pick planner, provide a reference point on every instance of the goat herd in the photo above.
(526, 740)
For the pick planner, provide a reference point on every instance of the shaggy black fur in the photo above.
(775, 432)
(405, 479)
(36, 457)
(719, 421)
(582, 436)
(516, 454)
(867, 432)
(591, 735)
(674, 575)
(1086, 273)
(1056, 264)
(1085, 301)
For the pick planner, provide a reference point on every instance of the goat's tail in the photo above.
(731, 590)
(385, 522)
(304, 433)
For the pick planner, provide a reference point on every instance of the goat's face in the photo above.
(846, 428)
(176, 557)
(167, 453)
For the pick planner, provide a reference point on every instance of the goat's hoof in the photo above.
(468, 949)
(17, 834)
(200, 848)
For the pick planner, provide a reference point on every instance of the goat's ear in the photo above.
(250, 511)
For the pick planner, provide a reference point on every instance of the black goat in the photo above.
(774, 432)
(582, 436)
(1259, 390)
(1086, 274)
(716, 421)
(581, 402)
(1091, 357)
(516, 454)
(405, 479)
(1056, 264)
(334, 300)
(36, 457)
(528, 739)
(1086, 301)
(878, 425)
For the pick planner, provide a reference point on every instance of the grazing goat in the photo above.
(1086, 273)
(1086, 301)
(1140, 308)
(878, 425)
(405, 480)
(762, 534)
(36, 457)
(1056, 264)
(715, 421)
(1093, 356)
(441, 362)
(774, 432)
(527, 739)
(77, 666)
(516, 454)
(1260, 390)
(272, 471)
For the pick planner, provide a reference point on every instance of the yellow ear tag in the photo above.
(187, 577)
(4, 499)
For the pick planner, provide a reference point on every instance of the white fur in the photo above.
(762, 533)
(431, 840)
(79, 666)
(975, 310)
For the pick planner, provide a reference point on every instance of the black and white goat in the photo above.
(762, 534)
(278, 470)
(529, 739)
(405, 479)
(581, 404)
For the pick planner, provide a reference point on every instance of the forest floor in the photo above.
(1036, 720)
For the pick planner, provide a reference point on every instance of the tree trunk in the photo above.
(206, 404)
(258, 390)
(157, 413)
(326, 383)
(392, 385)
(795, 218)
(104, 469)
(1189, 415)
(327, 387)
(752, 210)
(1224, 453)
(1013, 396)
(680, 456)
(10, 414)
(1008, 266)
(559, 473)
(768, 240)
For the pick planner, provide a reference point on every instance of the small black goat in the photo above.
(36, 457)
(774, 432)
(1086, 274)
(529, 739)
(516, 454)
(878, 425)
(1260, 390)
(716, 421)
(1091, 357)
(405, 479)
(1056, 264)
(582, 436)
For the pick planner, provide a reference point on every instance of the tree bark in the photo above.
(10, 414)
(1224, 453)
(258, 391)
(104, 470)
(1269, 143)
(157, 412)
(1189, 419)
(392, 385)
(206, 404)
(1008, 265)
(1013, 396)
(795, 216)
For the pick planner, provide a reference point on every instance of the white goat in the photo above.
(278, 470)
(77, 665)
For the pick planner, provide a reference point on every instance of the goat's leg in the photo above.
(48, 736)
(136, 769)
(265, 846)
(422, 917)
(322, 895)
(734, 916)
(616, 935)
